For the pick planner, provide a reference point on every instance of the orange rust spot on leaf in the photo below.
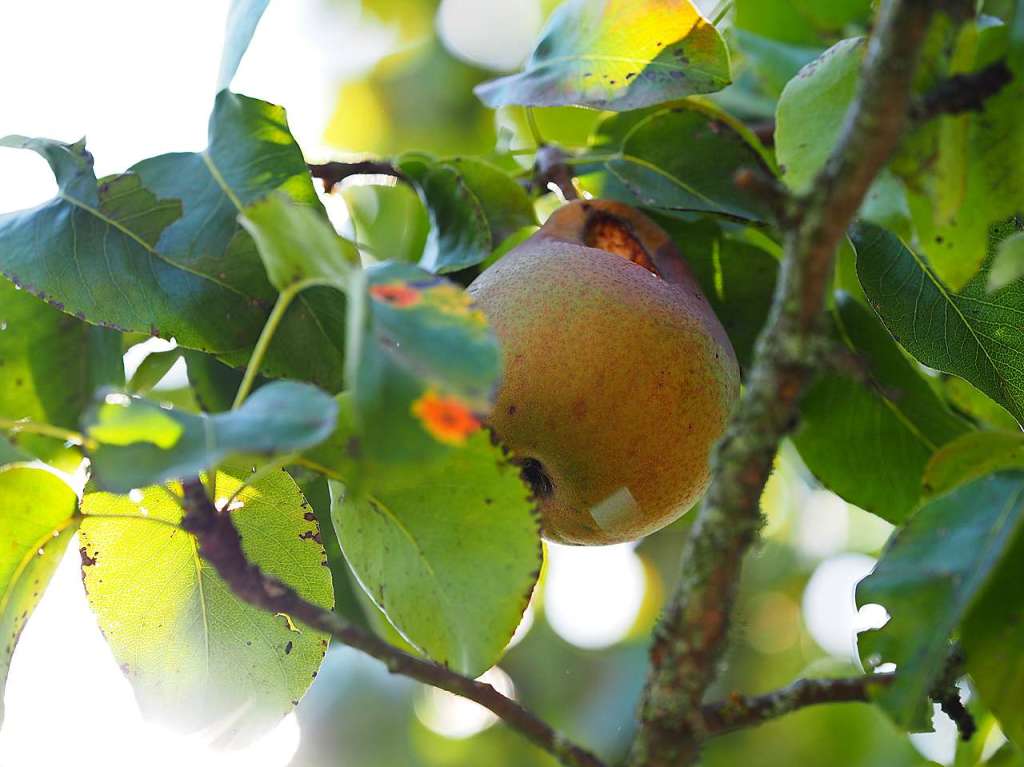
(447, 418)
(398, 294)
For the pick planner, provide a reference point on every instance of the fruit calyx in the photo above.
(618, 229)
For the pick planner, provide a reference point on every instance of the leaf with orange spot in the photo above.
(427, 368)
(447, 418)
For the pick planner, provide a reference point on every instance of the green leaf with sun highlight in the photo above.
(199, 658)
(450, 552)
(140, 443)
(36, 523)
(617, 55)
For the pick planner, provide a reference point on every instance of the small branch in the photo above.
(690, 639)
(332, 173)
(963, 93)
(741, 711)
(550, 167)
(25, 426)
(259, 351)
(947, 695)
(220, 545)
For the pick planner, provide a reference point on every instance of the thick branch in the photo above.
(332, 173)
(741, 711)
(963, 93)
(690, 639)
(220, 545)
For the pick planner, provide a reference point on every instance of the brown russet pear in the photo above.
(618, 375)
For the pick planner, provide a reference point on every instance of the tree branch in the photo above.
(332, 173)
(963, 93)
(741, 711)
(220, 545)
(690, 638)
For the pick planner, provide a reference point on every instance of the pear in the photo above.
(618, 376)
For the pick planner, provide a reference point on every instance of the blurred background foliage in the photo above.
(579, 659)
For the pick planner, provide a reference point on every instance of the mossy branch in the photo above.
(691, 637)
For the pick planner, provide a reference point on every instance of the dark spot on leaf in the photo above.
(87, 561)
(511, 410)
(309, 516)
(288, 648)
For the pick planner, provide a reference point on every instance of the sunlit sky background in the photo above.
(138, 80)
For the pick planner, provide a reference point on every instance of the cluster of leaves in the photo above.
(388, 370)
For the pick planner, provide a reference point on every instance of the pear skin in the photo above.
(618, 379)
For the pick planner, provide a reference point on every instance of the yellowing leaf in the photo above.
(198, 657)
(617, 55)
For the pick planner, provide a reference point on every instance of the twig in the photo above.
(740, 711)
(220, 545)
(332, 173)
(690, 639)
(947, 695)
(963, 93)
(550, 167)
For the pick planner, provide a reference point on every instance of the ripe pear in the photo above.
(618, 375)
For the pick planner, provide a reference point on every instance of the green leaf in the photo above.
(251, 153)
(37, 521)
(617, 55)
(450, 553)
(199, 658)
(152, 369)
(775, 63)
(799, 21)
(243, 16)
(141, 443)
(980, 408)
(1015, 58)
(971, 456)
(992, 638)
(1008, 264)
(970, 176)
(870, 440)
(648, 168)
(51, 366)
(213, 383)
(738, 279)
(928, 578)
(158, 250)
(427, 366)
(812, 109)
(10, 454)
(298, 246)
(389, 222)
(971, 334)
(473, 207)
